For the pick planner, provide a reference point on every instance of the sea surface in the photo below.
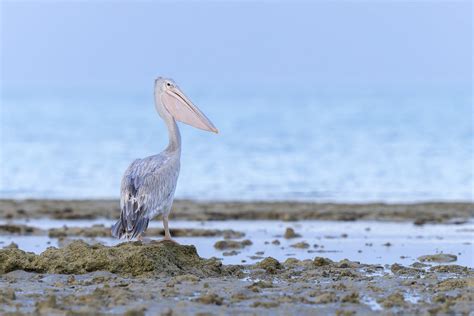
(273, 145)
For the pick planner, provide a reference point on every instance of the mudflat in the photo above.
(165, 278)
(260, 258)
(420, 213)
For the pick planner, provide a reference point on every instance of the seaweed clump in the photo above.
(130, 258)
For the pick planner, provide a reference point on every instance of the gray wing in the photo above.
(146, 187)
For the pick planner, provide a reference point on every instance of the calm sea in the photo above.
(277, 145)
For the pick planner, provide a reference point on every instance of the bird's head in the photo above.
(170, 100)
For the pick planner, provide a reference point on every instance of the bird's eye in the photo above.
(168, 84)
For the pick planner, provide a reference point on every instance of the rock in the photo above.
(419, 265)
(232, 244)
(135, 312)
(451, 284)
(133, 258)
(420, 221)
(266, 304)
(256, 286)
(345, 263)
(18, 229)
(44, 307)
(399, 269)
(240, 296)
(256, 257)
(394, 299)
(210, 298)
(269, 264)
(452, 268)
(292, 262)
(290, 233)
(230, 253)
(7, 296)
(320, 261)
(12, 245)
(179, 279)
(326, 298)
(351, 298)
(300, 245)
(439, 258)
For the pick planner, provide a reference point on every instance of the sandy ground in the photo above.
(419, 213)
(165, 278)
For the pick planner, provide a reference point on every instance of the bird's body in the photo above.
(147, 190)
(149, 184)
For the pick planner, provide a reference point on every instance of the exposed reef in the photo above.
(131, 258)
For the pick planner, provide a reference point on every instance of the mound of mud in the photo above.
(131, 258)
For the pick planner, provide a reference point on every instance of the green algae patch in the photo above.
(131, 258)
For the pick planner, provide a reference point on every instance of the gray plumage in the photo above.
(149, 184)
(147, 190)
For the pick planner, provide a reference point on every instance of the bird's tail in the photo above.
(120, 229)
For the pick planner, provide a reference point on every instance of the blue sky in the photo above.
(52, 44)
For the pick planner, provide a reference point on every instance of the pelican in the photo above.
(148, 184)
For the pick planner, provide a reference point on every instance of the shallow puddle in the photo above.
(368, 242)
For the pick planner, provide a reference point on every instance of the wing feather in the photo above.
(145, 187)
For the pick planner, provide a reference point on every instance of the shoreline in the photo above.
(419, 213)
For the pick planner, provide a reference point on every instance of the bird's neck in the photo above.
(174, 135)
(174, 144)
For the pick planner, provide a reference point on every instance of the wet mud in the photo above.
(103, 231)
(166, 278)
(419, 213)
(85, 277)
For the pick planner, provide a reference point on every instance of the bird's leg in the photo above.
(139, 237)
(165, 225)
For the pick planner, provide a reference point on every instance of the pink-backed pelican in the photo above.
(148, 184)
